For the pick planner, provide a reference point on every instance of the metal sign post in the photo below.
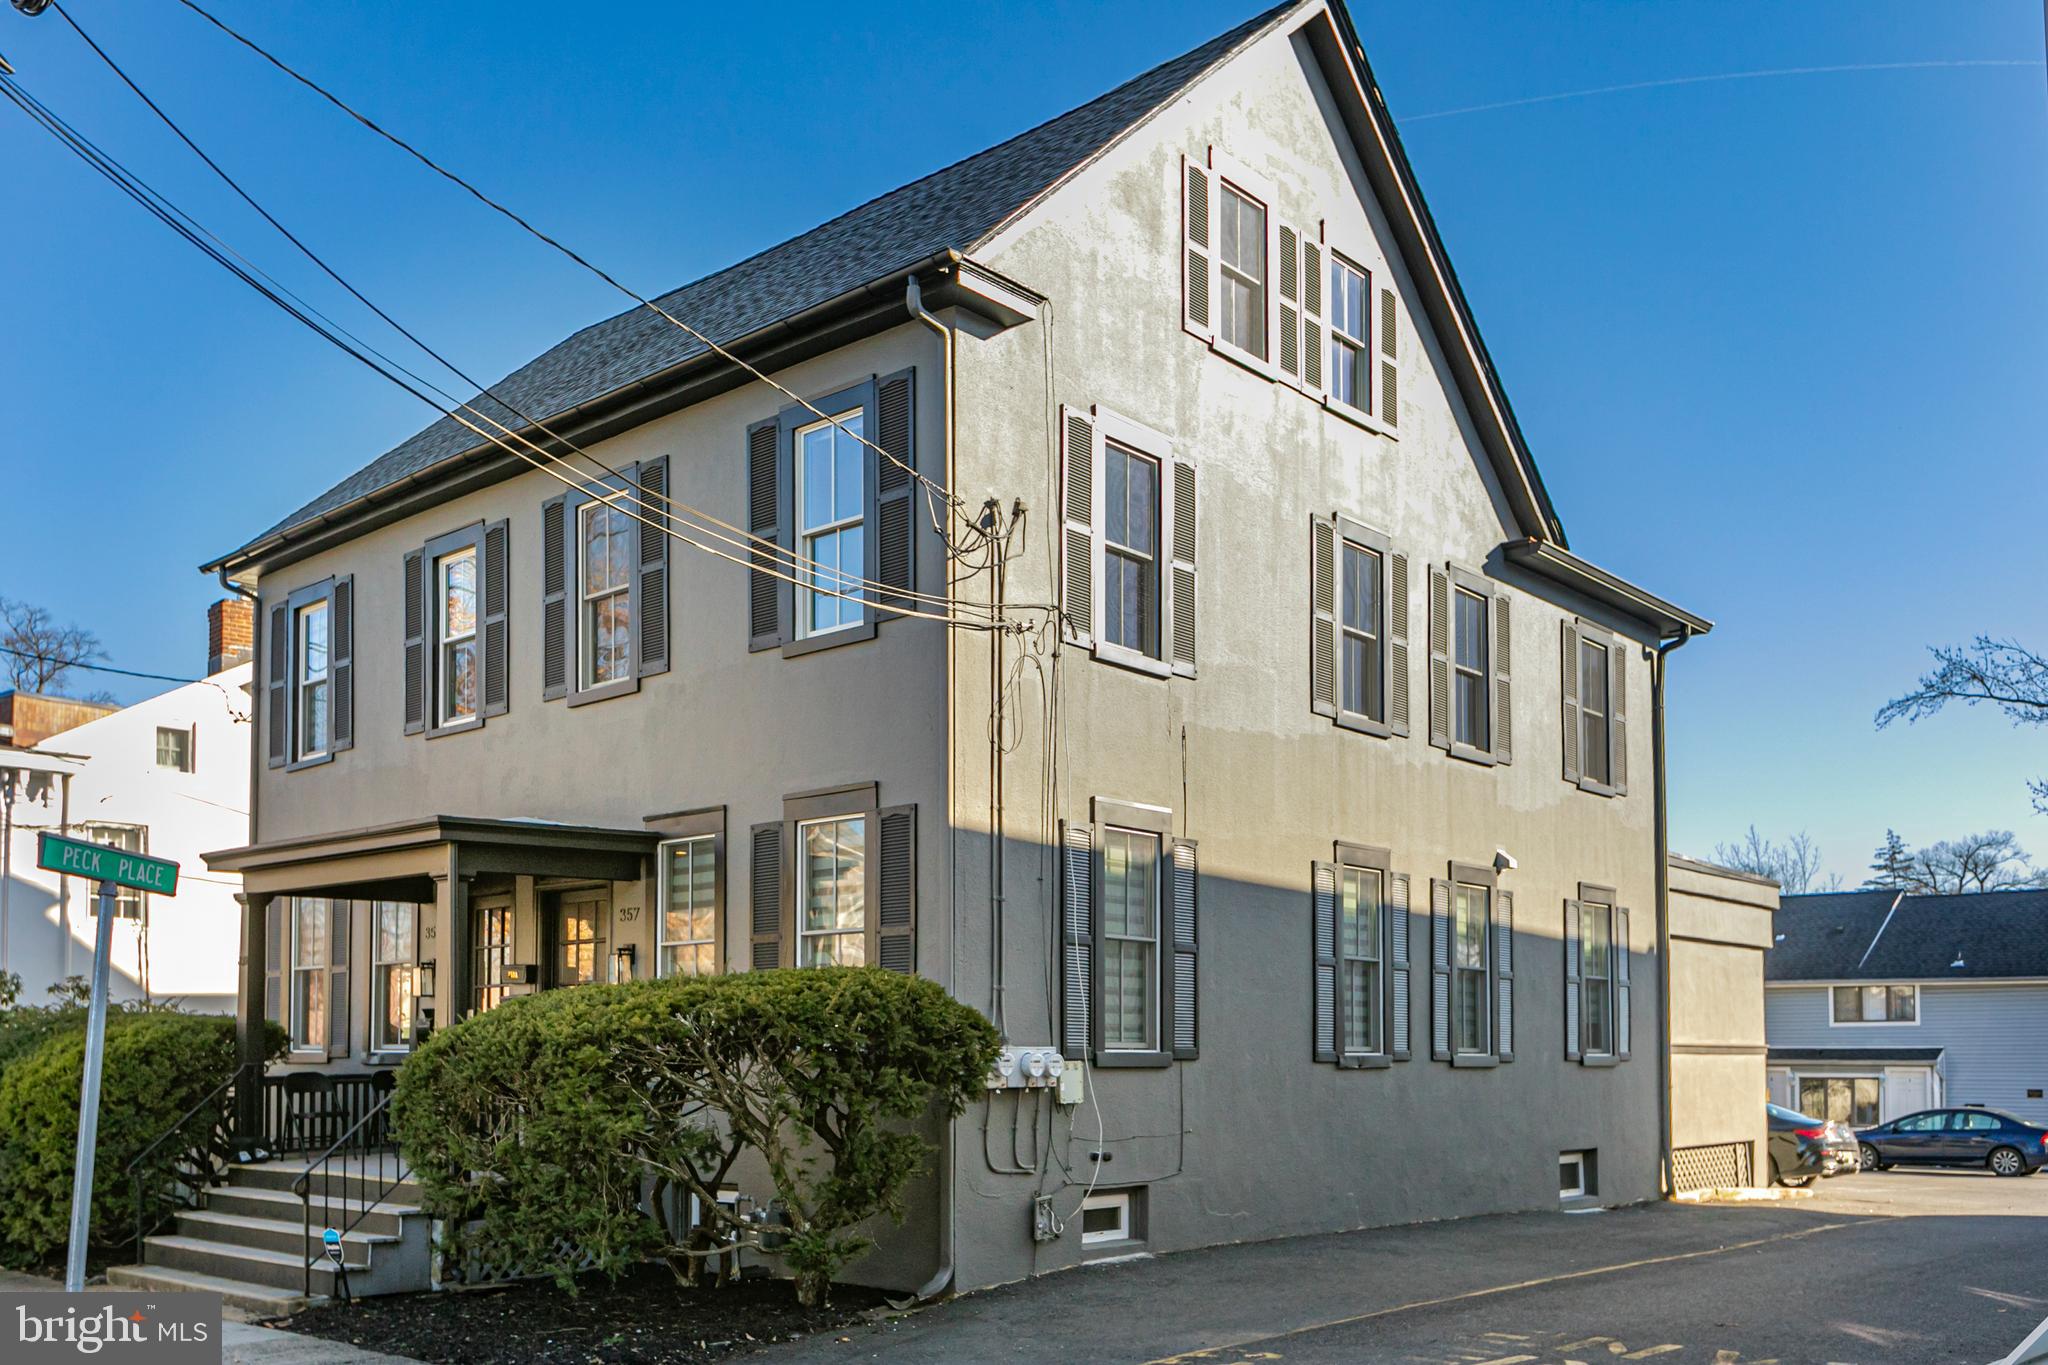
(112, 868)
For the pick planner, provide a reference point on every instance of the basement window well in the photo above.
(1575, 1175)
(1106, 1218)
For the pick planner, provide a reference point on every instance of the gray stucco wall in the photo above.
(1994, 1038)
(1254, 1139)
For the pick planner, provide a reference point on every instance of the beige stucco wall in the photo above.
(1720, 927)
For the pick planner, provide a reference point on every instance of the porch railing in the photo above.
(187, 1157)
(349, 1179)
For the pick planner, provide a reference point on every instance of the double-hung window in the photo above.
(604, 563)
(1876, 1004)
(392, 953)
(310, 944)
(311, 680)
(1594, 752)
(1361, 630)
(1350, 335)
(1130, 940)
(1470, 1007)
(832, 910)
(1361, 979)
(128, 839)
(687, 933)
(1470, 639)
(174, 748)
(1130, 550)
(1241, 232)
(1468, 663)
(831, 501)
(1595, 690)
(455, 632)
(1596, 940)
(1358, 627)
(1596, 977)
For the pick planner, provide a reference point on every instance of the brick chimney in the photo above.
(230, 633)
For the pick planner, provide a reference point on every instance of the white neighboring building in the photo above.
(168, 776)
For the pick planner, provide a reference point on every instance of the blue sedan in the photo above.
(1997, 1142)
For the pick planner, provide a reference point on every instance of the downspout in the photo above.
(1663, 822)
(913, 300)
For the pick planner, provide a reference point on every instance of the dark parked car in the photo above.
(1803, 1147)
(1956, 1137)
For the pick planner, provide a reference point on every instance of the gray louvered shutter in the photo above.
(1439, 658)
(1504, 975)
(1389, 408)
(1503, 730)
(1569, 683)
(896, 897)
(1574, 983)
(337, 978)
(1397, 643)
(764, 897)
(342, 660)
(1323, 956)
(1439, 969)
(1617, 716)
(1077, 940)
(497, 618)
(1322, 626)
(1621, 1009)
(895, 490)
(1312, 279)
(273, 958)
(277, 686)
(650, 584)
(554, 598)
(768, 597)
(1077, 512)
(1186, 1001)
(1198, 258)
(1182, 583)
(1400, 1008)
(1289, 271)
(417, 595)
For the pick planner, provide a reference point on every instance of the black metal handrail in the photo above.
(361, 1189)
(201, 1164)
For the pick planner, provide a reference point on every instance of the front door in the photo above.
(577, 922)
(490, 949)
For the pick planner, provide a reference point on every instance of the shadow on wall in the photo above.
(35, 948)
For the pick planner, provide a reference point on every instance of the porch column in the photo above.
(452, 985)
(250, 1013)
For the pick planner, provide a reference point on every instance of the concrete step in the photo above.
(283, 1206)
(257, 1300)
(283, 1270)
(368, 1181)
(273, 1234)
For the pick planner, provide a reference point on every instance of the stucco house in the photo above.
(1721, 929)
(1880, 1003)
(168, 776)
(1323, 821)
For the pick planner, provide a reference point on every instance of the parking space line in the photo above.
(1470, 1294)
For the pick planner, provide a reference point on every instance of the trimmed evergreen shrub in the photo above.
(158, 1064)
(535, 1129)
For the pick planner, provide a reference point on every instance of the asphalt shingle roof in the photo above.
(1855, 1054)
(958, 207)
(1986, 936)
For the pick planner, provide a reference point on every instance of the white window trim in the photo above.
(377, 965)
(1120, 1200)
(1154, 445)
(1378, 275)
(1586, 978)
(91, 829)
(1155, 985)
(1225, 169)
(1484, 670)
(801, 602)
(295, 969)
(190, 734)
(1912, 986)
(1351, 535)
(301, 680)
(444, 719)
(1376, 1008)
(1577, 1159)
(586, 614)
(1487, 1042)
(802, 856)
(663, 895)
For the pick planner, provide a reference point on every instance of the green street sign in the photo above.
(82, 858)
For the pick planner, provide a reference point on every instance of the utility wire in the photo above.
(168, 213)
(97, 668)
(752, 540)
(930, 484)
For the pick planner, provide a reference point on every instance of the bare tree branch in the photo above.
(1794, 865)
(2000, 673)
(38, 652)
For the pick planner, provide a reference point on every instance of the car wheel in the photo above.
(1871, 1160)
(2006, 1161)
(1794, 1181)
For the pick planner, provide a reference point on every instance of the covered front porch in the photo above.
(360, 943)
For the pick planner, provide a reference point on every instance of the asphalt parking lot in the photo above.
(1876, 1267)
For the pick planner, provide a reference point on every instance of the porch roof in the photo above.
(401, 860)
(1920, 1055)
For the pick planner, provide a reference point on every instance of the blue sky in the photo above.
(1780, 345)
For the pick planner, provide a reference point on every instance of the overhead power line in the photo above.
(745, 539)
(97, 668)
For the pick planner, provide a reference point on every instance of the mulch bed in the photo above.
(642, 1319)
